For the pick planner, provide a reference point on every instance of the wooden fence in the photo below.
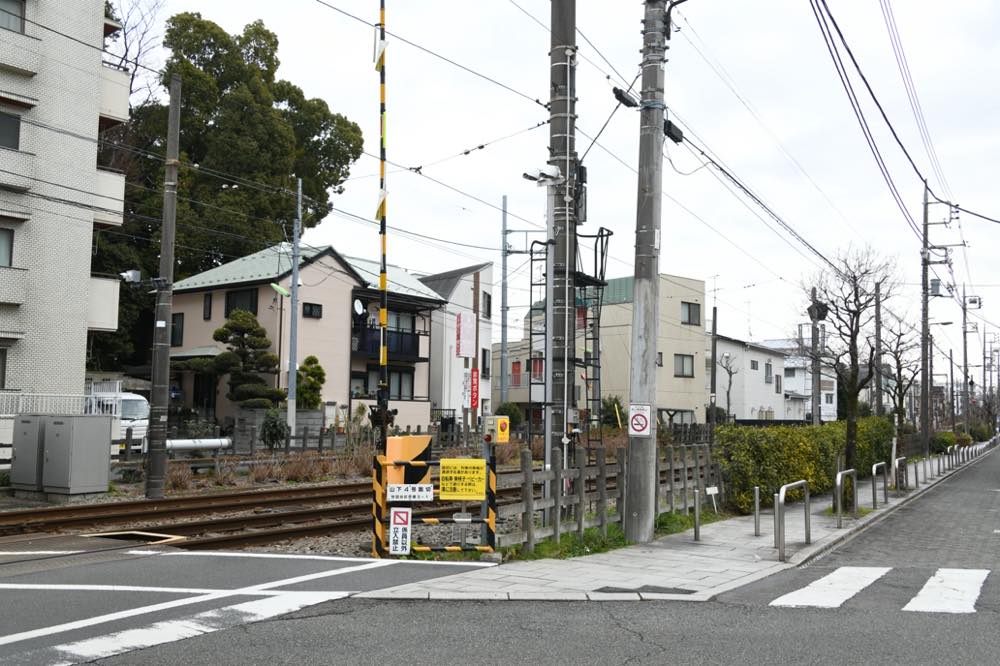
(590, 493)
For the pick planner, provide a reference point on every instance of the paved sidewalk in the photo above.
(674, 567)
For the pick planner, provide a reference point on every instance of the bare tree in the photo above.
(900, 345)
(133, 48)
(729, 365)
(848, 291)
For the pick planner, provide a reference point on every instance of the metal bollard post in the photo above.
(777, 521)
(756, 510)
(697, 514)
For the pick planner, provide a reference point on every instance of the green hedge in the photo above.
(942, 440)
(772, 456)
(980, 432)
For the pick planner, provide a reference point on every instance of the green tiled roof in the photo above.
(274, 263)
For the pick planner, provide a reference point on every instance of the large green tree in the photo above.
(245, 136)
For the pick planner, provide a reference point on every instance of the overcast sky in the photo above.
(806, 155)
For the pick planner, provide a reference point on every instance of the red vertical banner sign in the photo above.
(474, 394)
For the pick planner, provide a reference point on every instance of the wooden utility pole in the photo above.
(162, 322)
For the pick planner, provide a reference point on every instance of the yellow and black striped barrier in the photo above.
(452, 549)
(380, 513)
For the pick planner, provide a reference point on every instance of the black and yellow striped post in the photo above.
(380, 513)
(380, 215)
(491, 502)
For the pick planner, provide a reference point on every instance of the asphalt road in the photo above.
(917, 588)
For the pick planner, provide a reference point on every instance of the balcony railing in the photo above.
(115, 91)
(402, 345)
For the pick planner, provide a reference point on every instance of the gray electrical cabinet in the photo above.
(29, 452)
(76, 454)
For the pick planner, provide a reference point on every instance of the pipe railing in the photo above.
(779, 515)
(756, 510)
(839, 497)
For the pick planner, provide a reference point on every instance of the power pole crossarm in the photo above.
(640, 516)
(160, 373)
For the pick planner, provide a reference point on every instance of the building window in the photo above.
(402, 321)
(10, 130)
(6, 247)
(659, 359)
(242, 299)
(312, 310)
(683, 365)
(206, 307)
(790, 372)
(12, 15)
(3, 367)
(691, 313)
(828, 398)
(177, 330)
(515, 374)
(777, 384)
(768, 373)
(753, 365)
(537, 369)
(401, 385)
(487, 305)
(484, 364)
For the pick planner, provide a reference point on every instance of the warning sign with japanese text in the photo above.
(463, 479)
(400, 520)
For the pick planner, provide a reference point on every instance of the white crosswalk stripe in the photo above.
(834, 589)
(947, 591)
(950, 591)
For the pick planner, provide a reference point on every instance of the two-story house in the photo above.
(56, 95)
(461, 336)
(337, 323)
(798, 377)
(749, 380)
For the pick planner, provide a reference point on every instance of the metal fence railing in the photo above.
(58, 403)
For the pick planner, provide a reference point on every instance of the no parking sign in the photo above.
(638, 421)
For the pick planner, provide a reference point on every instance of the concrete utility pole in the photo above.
(562, 150)
(965, 363)
(878, 349)
(162, 326)
(293, 329)
(712, 395)
(504, 356)
(951, 387)
(982, 387)
(925, 380)
(817, 311)
(640, 514)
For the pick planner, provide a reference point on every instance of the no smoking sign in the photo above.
(639, 421)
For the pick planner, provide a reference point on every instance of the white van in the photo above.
(133, 412)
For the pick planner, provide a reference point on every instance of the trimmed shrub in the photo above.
(942, 440)
(772, 456)
(980, 432)
(962, 439)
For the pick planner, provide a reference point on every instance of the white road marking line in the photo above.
(11, 553)
(175, 630)
(949, 591)
(834, 589)
(176, 603)
(69, 587)
(294, 556)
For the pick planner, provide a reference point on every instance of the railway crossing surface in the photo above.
(74, 599)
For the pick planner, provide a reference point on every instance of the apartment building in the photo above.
(337, 323)
(681, 393)
(462, 342)
(56, 95)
